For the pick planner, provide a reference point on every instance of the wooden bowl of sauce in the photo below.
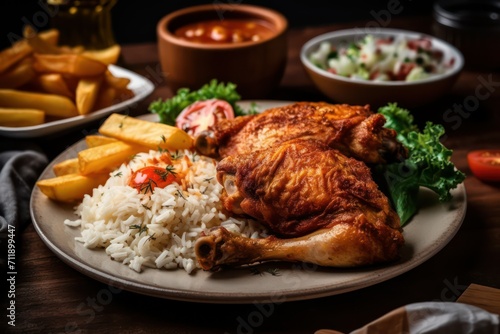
(242, 44)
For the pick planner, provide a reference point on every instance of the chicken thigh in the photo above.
(321, 206)
(353, 130)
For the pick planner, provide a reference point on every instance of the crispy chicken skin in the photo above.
(353, 130)
(321, 206)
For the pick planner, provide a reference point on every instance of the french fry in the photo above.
(107, 97)
(53, 83)
(123, 94)
(107, 56)
(78, 49)
(53, 105)
(37, 43)
(12, 55)
(148, 134)
(105, 157)
(21, 117)
(69, 166)
(61, 81)
(71, 187)
(118, 83)
(97, 140)
(86, 94)
(22, 49)
(71, 82)
(72, 64)
(18, 75)
(51, 36)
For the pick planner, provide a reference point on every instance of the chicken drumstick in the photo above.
(322, 206)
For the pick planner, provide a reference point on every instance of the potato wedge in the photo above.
(21, 117)
(53, 83)
(106, 157)
(53, 105)
(148, 134)
(97, 140)
(107, 56)
(21, 49)
(73, 64)
(18, 75)
(65, 167)
(86, 94)
(70, 187)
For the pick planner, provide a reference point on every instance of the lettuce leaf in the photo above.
(428, 163)
(169, 109)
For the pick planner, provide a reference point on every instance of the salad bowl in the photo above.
(423, 68)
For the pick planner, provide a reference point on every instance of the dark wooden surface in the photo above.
(51, 297)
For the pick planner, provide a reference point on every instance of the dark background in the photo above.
(134, 21)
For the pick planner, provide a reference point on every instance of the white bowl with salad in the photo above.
(387, 65)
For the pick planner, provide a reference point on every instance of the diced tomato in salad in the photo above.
(419, 44)
(403, 71)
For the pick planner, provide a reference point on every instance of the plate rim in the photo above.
(383, 273)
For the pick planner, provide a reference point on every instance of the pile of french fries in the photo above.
(41, 81)
(120, 138)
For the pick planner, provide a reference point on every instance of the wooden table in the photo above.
(51, 297)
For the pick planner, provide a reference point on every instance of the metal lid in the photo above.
(468, 13)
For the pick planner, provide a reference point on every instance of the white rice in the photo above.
(159, 229)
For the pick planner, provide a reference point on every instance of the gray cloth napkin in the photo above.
(431, 318)
(19, 171)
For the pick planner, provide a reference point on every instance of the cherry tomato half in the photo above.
(202, 115)
(485, 164)
(146, 179)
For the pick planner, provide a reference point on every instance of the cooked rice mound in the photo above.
(158, 229)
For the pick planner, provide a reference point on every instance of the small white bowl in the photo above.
(377, 93)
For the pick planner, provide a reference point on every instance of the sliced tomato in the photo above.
(374, 75)
(386, 41)
(403, 71)
(485, 164)
(203, 115)
(420, 43)
(146, 179)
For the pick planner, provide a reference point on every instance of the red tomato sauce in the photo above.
(225, 31)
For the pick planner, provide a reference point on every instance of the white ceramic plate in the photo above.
(428, 232)
(140, 85)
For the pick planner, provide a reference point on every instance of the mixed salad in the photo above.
(382, 59)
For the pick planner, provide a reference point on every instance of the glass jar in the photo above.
(83, 22)
(473, 27)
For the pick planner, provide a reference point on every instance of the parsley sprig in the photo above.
(164, 173)
(149, 185)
